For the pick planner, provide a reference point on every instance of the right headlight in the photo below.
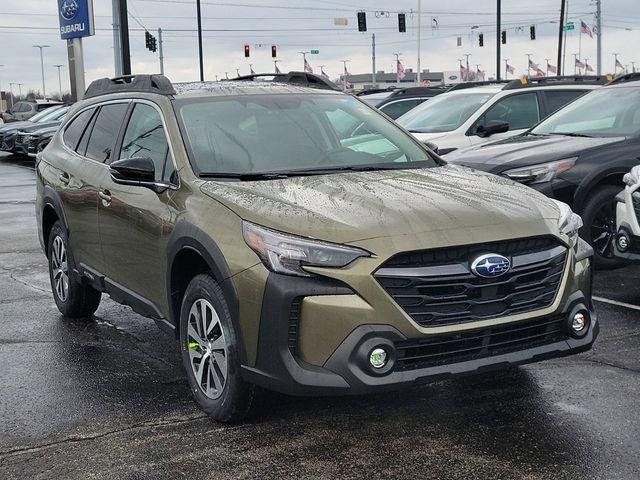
(544, 172)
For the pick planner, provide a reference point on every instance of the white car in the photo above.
(627, 244)
(474, 113)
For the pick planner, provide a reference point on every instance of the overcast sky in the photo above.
(305, 25)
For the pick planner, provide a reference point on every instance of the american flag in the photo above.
(618, 64)
(588, 67)
(584, 28)
(251, 70)
(400, 71)
(480, 75)
(277, 69)
(307, 67)
(464, 73)
(511, 69)
(579, 64)
(536, 68)
(551, 68)
(322, 73)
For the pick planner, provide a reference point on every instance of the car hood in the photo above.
(36, 127)
(41, 131)
(12, 126)
(347, 207)
(526, 150)
(428, 137)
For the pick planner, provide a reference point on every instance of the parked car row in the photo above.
(29, 137)
(24, 110)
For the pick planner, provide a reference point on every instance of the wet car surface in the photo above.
(107, 398)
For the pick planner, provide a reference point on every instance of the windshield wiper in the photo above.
(245, 177)
(572, 134)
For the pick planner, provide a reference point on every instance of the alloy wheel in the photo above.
(207, 348)
(603, 229)
(59, 267)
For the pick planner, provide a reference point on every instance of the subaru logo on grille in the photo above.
(490, 265)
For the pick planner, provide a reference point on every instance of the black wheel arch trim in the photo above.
(186, 236)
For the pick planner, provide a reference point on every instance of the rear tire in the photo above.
(599, 230)
(73, 298)
(210, 349)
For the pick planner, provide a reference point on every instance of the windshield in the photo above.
(444, 113)
(41, 116)
(608, 112)
(253, 134)
(375, 99)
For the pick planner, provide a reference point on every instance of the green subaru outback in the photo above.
(298, 240)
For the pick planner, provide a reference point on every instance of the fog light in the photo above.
(623, 242)
(579, 322)
(378, 357)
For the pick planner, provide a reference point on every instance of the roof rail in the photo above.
(464, 85)
(629, 77)
(302, 79)
(564, 80)
(131, 83)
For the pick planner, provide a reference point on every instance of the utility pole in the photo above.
(419, 72)
(199, 14)
(498, 39)
(599, 34)
(563, 5)
(117, 49)
(44, 91)
(373, 59)
(124, 37)
(59, 80)
(564, 40)
(160, 54)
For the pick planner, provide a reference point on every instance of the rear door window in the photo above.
(76, 128)
(105, 131)
(520, 111)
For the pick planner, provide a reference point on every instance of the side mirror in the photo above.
(491, 128)
(134, 171)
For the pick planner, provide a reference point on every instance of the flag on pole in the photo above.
(579, 64)
(251, 70)
(618, 64)
(307, 67)
(277, 69)
(480, 75)
(400, 71)
(584, 28)
(588, 67)
(551, 68)
(510, 69)
(464, 73)
(323, 74)
(536, 68)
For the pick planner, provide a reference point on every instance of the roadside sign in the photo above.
(569, 26)
(315, 52)
(76, 18)
(341, 21)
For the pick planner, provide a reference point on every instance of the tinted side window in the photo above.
(519, 111)
(397, 109)
(74, 130)
(145, 137)
(559, 98)
(105, 130)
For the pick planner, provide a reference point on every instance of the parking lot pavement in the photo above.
(107, 399)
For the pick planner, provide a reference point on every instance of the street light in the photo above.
(1, 108)
(44, 92)
(59, 80)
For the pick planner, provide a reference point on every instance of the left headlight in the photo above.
(544, 172)
(569, 223)
(289, 254)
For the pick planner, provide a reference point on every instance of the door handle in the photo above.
(105, 195)
(64, 178)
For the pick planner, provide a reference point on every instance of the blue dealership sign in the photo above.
(76, 18)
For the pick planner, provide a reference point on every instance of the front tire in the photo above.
(599, 230)
(73, 298)
(210, 349)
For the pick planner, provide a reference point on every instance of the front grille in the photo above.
(294, 322)
(20, 139)
(436, 287)
(475, 344)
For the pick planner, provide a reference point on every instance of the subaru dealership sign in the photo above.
(76, 18)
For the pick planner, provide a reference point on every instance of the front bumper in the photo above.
(291, 361)
(627, 226)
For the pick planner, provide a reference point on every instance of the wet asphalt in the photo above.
(107, 398)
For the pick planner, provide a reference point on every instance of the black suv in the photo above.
(577, 155)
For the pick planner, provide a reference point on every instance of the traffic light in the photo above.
(362, 22)
(481, 39)
(402, 22)
(247, 51)
(504, 37)
(154, 44)
(274, 51)
(532, 31)
(150, 41)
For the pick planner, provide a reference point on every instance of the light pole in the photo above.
(1, 107)
(20, 88)
(304, 60)
(11, 91)
(44, 92)
(59, 80)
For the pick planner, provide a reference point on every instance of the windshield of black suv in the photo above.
(277, 133)
(444, 113)
(607, 112)
(45, 114)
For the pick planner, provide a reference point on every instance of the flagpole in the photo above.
(397, 55)
(304, 60)
(580, 45)
(547, 59)
(275, 64)
(575, 64)
(615, 65)
(528, 64)
(506, 68)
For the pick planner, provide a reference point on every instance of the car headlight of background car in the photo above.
(544, 172)
(289, 254)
